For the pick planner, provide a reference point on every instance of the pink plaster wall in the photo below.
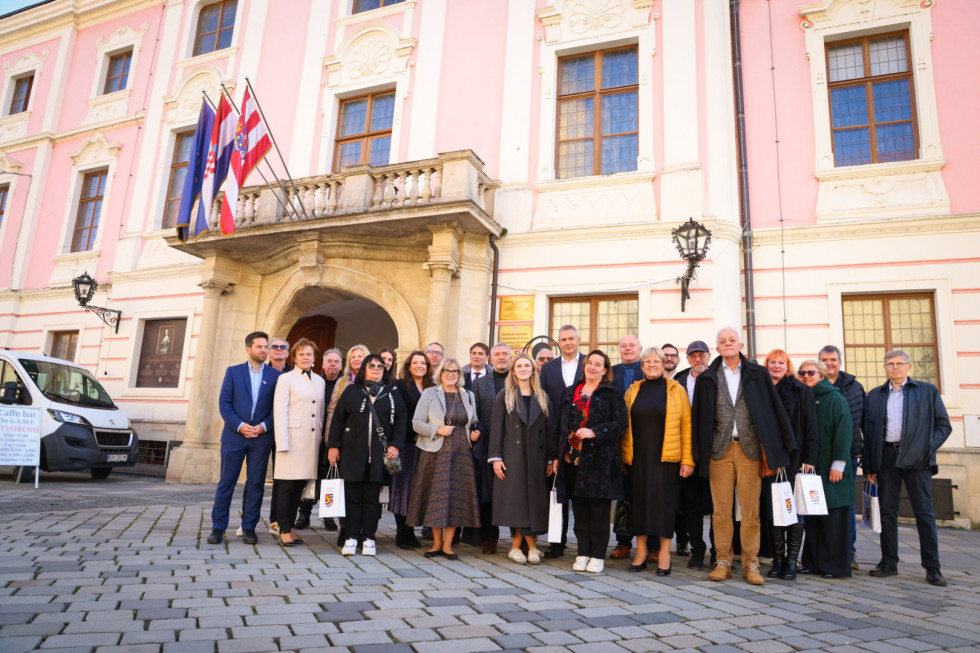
(472, 80)
(13, 216)
(41, 88)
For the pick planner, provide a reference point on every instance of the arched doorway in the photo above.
(343, 323)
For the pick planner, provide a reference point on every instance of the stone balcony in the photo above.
(398, 200)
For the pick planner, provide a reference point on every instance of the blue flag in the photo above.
(195, 171)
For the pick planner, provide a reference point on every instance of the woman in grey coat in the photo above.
(519, 451)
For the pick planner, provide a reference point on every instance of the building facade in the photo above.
(455, 164)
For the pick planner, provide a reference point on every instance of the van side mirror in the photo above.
(10, 393)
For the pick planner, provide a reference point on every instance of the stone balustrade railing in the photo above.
(450, 177)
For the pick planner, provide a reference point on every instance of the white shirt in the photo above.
(894, 412)
(568, 369)
(733, 378)
(691, 380)
(476, 374)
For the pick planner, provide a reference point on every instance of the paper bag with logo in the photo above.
(783, 509)
(871, 514)
(809, 495)
(332, 500)
(554, 516)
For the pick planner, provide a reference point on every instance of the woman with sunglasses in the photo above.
(358, 448)
(800, 406)
(444, 489)
(827, 549)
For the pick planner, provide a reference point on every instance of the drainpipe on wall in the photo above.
(743, 184)
(493, 289)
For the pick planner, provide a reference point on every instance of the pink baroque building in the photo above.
(466, 170)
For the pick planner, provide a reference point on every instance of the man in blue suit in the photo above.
(245, 404)
(555, 377)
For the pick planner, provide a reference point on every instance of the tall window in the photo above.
(89, 209)
(601, 321)
(117, 72)
(3, 202)
(368, 5)
(22, 94)
(875, 324)
(597, 113)
(64, 344)
(871, 105)
(178, 172)
(215, 27)
(364, 132)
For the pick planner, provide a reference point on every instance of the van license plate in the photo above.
(116, 458)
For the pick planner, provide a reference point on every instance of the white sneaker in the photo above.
(581, 562)
(368, 548)
(533, 556)
(595, 565)
(350, 547)
(274, 528)
(517, 556)
(239, 532)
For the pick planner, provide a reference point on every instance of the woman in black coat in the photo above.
(591, 420)
(519, 448)
(355, 445)
(416, 376)
(800, 407)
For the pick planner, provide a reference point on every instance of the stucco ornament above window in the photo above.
(185, 103)
(25, 62)
(375, 52)
(8, 164)
(576, 19)
(96, 150)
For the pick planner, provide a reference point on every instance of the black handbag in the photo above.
(621, 520)
(392, 465)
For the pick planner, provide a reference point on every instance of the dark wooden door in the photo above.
(321, 329)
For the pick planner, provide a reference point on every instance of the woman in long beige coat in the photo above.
(298, 410)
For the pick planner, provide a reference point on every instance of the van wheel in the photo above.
(100, 473)
(26, 476)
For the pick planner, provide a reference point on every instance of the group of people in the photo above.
(468, 449)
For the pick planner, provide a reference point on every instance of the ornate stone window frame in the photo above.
(188, 59)
(371, 59)
(104, 107)
(577, 26)
(904, 188)
(14, 126)
(130, 373)
(350, 18)
(96, 153)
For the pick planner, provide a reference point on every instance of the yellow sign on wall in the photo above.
(515, 335)
(516, 308)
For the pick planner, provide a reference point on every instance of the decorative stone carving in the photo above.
(9, 165)
(122, 37)
(25, 62)
(571, 20)
(375, 51)
(14, 127)
(95, 150)
(185, 103)
(913, 188)
(605, 200)
(596, 15)
(371, 57)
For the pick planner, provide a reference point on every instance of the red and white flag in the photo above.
(219, 154)
(252, 142)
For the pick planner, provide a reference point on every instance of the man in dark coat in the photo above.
(736, 416)
(905, 423)
(485, 391)
(557, 375)
(853, 392)
(624, 374)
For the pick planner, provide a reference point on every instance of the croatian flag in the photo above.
(195, 172)
(252, 143)
(219, 158)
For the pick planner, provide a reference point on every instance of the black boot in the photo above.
(403, 534)
(794, 538)
(303, 514)
(778, 549)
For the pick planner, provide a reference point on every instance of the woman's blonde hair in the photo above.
(459, 377)
(347, 369)
(820, 367)
(512, 389)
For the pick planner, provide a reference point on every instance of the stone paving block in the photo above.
(353, 639)
(433, 622)
(767, 646)
(556, 638)
(196, 634)
(91, 639)
(303, 642)
(20, 644)
(139, 648)
(520, 616)
(910, 644)
(468, 631)
(259, 645)
(373, 624)
(644, 645)
(172, 624)
(457, 646)
(943, 640)
(871, 634)
(415, 635)
(148, 637)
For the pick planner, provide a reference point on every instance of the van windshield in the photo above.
(67, 384)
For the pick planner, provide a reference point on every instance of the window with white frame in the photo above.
(364, 130)
(117, 72)
(215, 27)
(361, 6)
(4, 191)
(89, 211)
(21, 97)
(183, 144)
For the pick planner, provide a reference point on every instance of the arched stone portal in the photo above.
(345, 320)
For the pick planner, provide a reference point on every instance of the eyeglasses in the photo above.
(671, 356)
(803, 373)
(278, 346)
(433, 351)
(451, 372)
(376, 366)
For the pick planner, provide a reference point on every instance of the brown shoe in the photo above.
(654, 556)
(489, 547)
(722, 571)
(620, 552)
(751, 574)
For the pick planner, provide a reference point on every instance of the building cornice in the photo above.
(877, 229)
(720, 229)
(40, 138)
(54, 16)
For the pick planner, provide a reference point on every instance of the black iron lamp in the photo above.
(692, 240)
(85, 287)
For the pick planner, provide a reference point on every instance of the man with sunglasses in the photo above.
(278, 355)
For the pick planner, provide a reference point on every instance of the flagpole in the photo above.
(279, 200)
(268, 128)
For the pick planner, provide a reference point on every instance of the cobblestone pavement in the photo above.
(120, 565)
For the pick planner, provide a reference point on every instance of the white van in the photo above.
(81, 426)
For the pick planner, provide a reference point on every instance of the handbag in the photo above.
(783, 508)
(392, 465)
(554, 514)
(809, 495)
(621, 518)
(332, 502)
(309, 490)
(871, 508)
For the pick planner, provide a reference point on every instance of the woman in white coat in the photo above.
(444, 489)
(298, 410)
